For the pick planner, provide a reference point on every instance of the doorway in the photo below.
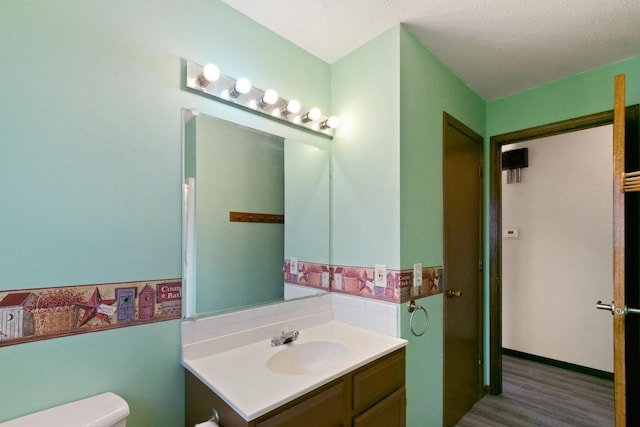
(557, 249)
(462, 288)
(495, 243)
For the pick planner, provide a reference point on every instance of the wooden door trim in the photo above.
(555, 128)
(619, 373)
(495, 219)
(449, 120)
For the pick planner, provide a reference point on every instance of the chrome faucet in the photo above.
(284, 337)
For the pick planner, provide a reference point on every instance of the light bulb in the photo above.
(331, 123)
(242, 86)
(270, 97)
(210, 73)
(292, 107)
(313, 115)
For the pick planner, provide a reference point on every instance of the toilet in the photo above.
(103, 410)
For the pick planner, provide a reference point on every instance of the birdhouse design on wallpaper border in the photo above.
(16, 319)
(146, 303)
(31, 314)
(126, 298)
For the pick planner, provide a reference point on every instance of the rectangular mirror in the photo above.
(240, 182)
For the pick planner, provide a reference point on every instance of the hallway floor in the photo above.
(535, 394)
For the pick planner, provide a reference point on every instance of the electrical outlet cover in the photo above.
(293, 266)
(325, 279)
(337, 281)
(380, 276)
(417, 275)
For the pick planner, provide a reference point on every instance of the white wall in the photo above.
(561, 264)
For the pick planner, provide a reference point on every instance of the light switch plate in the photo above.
(511, 233)
(293, 266)
(417, 275)
(380, 275)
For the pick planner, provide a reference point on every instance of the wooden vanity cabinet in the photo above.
(371, 396)
(390, 412)
(379, 397)
(327, 406)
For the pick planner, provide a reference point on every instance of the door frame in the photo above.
(495, 218)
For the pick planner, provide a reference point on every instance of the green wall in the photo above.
(427, 88)
(91, 173)
(387, 179)
(424, 363)
(575, 96)
(365, 192)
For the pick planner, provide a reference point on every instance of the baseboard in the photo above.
(559, 364)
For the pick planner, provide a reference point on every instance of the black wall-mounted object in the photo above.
(515, 159)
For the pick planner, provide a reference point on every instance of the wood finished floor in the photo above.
(535, 394)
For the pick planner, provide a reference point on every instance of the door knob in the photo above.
(454, 294)
(610, 307)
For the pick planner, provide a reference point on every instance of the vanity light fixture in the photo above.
(240, 87)
(209, 81)
(330, 123)
(270, 97)
(291, 107)
(313, 115)
(210, 73)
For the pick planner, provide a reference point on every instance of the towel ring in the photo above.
(413, 308)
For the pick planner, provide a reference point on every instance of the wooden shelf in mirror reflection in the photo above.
(256, 217)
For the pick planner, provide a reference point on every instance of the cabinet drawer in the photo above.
(388, 413)
(374, 383)
(328, 408)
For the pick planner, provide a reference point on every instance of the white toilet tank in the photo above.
(103, 410)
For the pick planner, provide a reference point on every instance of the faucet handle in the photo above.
(291, 336)
(279, 337)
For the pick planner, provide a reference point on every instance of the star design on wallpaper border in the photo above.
(92, 307)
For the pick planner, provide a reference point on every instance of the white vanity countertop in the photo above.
(241, 377)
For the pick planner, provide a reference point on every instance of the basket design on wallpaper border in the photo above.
(314, 278)
(308, 274)
(351, 284)
(55, 319)
(56, 311)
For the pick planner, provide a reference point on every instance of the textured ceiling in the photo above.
(497, 47)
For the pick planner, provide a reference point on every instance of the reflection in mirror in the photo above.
(307, 225)
(231, 168)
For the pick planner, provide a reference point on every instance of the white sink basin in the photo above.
(307, 358)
